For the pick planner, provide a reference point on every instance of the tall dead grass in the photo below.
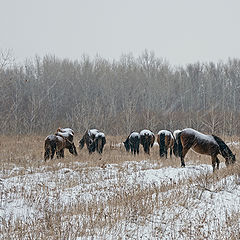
(117, 210)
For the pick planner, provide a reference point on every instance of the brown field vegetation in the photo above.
(120, 215)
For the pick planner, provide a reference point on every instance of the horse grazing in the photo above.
(204, 144)
(132, 142)
(147, 139)
(56, 143)
(94, 139)
(165, 140)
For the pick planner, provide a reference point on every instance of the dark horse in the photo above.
(94, 140)
(132, 142)
(203, 144)
(99, 142)
(57, 143)
(165, 140)
(147, 139)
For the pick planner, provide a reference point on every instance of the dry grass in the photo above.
(117, 210)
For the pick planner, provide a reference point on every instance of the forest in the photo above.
(118, 96)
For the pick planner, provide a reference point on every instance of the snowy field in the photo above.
(132, 199)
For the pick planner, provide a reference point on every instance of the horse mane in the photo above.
(224, 149)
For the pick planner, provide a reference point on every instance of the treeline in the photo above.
(119, 96)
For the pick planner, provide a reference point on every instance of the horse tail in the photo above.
(175, 148)
(175, 145)
(152, 140)
(47, 149)
(99, 144)
(92, 145)
(224, 149)
(179, 145)
(162, 144)
(103, 143)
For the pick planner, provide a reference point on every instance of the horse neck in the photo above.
(226, 153)
(224, 149)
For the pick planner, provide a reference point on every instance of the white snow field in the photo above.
(130, 200)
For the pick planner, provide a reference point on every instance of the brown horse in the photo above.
(94, 139)
(56, 143)
(204, 144)
(147, 139)
(165, 140)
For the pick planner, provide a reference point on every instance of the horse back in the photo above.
(134, 140)
(200, 143)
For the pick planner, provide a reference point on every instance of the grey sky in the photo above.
(181, 31)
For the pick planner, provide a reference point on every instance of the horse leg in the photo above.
(171, 152)
(46, 154)
(53, 149)
(218, 162)
(131, 146)
(183, 154)
(214, 160)
(58, 154)
(134, 150)
(148, 149)
(61, 153)
(138, 149)
(134, 147)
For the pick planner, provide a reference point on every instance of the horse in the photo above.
(68, 134)
(132, 142)
(94, 139)
(87, 139)
(99, 142)
(204, 144)
(147, 139)
(56, 143)
(165, 140)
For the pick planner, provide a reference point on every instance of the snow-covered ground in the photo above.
(172, 203)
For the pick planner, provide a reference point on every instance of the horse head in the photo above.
(72, 149)
(230, 159)
(127, 145)
(81, 143)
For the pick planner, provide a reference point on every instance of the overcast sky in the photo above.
(180, 31)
